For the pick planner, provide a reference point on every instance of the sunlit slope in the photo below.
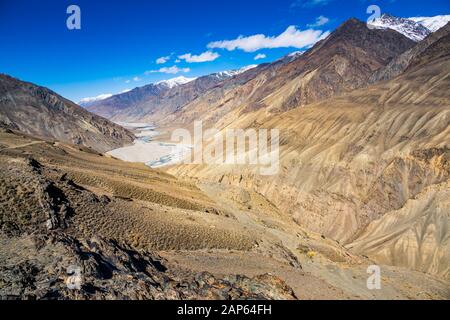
(350, 160)
(415, 236)
(108, 198)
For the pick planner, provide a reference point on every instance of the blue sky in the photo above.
(120, 41)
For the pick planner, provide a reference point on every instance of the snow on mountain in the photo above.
(89, 100)
(232, 73)
(244, 69)
(295, 54)
(291, 56)
(171, 83)
(432, 23)
(409, 28)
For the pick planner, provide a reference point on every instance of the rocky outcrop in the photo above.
(40, 112)
(48, 252)
(59, 266)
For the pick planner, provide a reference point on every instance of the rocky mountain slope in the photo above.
(78, 225)
(369, 168)
(66, 212)
(40, 112)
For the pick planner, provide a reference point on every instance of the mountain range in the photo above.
(364, 121)
(154, 101)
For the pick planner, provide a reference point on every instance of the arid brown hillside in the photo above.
(370, 167)
(64, 209)
(40, 112)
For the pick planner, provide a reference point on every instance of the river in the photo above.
(144, 149)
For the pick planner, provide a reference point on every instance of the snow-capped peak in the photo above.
(245, 69)
(291, 56)
(174, 82)
(89, 100)
(295, 54)
(232, 73)
(409, 28)
(432, 23)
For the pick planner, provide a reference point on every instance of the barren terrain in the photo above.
(205, 227)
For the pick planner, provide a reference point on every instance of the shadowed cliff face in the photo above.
(40, 112)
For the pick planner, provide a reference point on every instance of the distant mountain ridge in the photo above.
(332, 66)
(155, 100)
(174, 82)
(90, 100)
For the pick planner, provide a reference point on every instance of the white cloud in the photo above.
(203, 57)
(136, 79)
(320, 21)
(260, 56)
(162, 60)
(291, 37)
(177, 61)
(169, 70)
(127, 81)
(125, 91)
